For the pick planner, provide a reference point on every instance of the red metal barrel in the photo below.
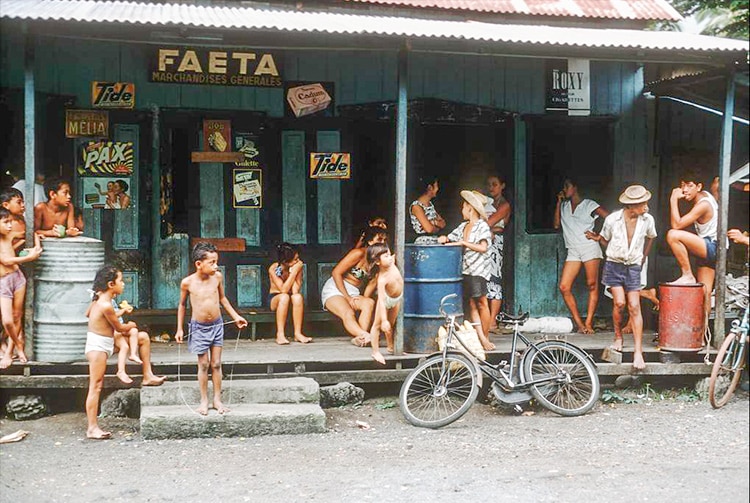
(681, 317)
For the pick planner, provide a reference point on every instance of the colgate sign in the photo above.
(112, 94)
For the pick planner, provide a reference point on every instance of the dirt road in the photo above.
(654, 450)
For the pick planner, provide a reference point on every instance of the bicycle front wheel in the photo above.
(726, 371)
(573, 385)
(439, 391)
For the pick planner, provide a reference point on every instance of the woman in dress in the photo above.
(424, 218)
(341, 293)
(498, 211)
(577, 215)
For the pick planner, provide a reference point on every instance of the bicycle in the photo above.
(730, 361)
(442, 388)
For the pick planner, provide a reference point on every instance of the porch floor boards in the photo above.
(329, 360)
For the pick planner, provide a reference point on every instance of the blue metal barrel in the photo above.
(430, 273)
(63, 276)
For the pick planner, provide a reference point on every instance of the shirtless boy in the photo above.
(206, 331)
(12, 288)
(57, 211)
(385, 276)
(12, 200)
(628, 235)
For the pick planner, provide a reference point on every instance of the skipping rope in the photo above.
(231, 371)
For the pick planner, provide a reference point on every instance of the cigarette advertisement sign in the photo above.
(217, 135)
(105, 158)
(112, 94)
(568, 89)
(247, 188)
(106, 193)
(333, 165)
(217, 67)
(83, 123)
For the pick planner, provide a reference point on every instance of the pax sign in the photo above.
(112, 94)
(330, 165)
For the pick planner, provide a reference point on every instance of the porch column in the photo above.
(400, 200)
(725, 161)
(29, 121)
(155, 200)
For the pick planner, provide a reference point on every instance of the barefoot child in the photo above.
(285, 277)
(385, 276)
(628, 235)
(100, 342)
(125, 345)
(12, 200)
(56, 217)
(474, 235)
(206, 330)
(13, 288)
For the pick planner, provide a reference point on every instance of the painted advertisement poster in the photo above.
(83, 123)
(217, 135)
(106, 193)
(106, 158)
(247, 188)
(304, 99)
(567, 86)
(112, 94)
(249, 145)
(336, 165)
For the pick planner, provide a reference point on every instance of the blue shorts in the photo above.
(203, 336)
(626, 276)
(710, 260)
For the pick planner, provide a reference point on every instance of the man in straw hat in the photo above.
(628, 235)
(475, 236)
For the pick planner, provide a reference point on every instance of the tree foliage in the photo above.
(730, 16)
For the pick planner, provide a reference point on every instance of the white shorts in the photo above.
(584, 253)
(330, 290)
(96, 342)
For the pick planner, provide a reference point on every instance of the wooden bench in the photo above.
(254, 316)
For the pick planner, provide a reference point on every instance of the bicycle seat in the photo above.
(509, 318)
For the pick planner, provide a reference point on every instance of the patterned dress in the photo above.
(495, 252)
(431, 213)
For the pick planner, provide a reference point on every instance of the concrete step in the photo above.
(244, 420)
(240, 391)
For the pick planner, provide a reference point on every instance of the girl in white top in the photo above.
(577, 216)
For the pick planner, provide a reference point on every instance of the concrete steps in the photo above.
(258, 407)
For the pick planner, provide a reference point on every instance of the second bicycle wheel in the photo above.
(439, 391)
(573, 385)
(726, 371)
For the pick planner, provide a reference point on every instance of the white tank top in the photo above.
(710, 228)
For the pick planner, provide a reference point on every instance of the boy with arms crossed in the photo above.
(628, 235)
(206, 331)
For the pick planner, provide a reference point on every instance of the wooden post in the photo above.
(155, 199)
(400, 199)
(29, 122)
(725, 162)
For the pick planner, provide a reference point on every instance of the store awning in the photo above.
(357, 23)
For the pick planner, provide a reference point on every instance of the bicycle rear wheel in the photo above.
(573, 389)
(439, 391)
(726, 371)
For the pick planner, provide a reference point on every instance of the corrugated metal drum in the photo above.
(681, 317)
(64, 274)
(430, 273)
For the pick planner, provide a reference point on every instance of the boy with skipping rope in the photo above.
(206, 330)
(628, 235)
(56, 217)
(475, 236)
(13, 288)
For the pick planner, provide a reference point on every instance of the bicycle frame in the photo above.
(738, 328)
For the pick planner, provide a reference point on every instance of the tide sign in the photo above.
(336, 165)
(112, 94)
(86, 123)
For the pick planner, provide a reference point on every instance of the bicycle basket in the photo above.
(468, 336)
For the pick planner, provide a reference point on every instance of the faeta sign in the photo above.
(215, 67)
(112, 94)
(336, 165)
(86, 123)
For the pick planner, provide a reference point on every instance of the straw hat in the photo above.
(635, 194)
(476, 201)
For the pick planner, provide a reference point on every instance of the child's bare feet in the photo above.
(153, 380)
(135, 358)
(362, 340)
(203, 408)
(685, 279)
(628, 328)
(638, 363)
(22, 356)
(486, 344)
(378, 357)
(302, 338)
(124, 377)
(281, 340)
(98, 434)
(220, 408)
(6, 361)
(617, 345)
(389, 349)
(585, 329)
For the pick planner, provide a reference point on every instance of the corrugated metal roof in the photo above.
(645, 10)
(215, 16)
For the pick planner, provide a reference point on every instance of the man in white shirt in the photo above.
(39, 195)
(628, 235)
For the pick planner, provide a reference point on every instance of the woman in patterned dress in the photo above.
(425, 220)
(498, 215)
